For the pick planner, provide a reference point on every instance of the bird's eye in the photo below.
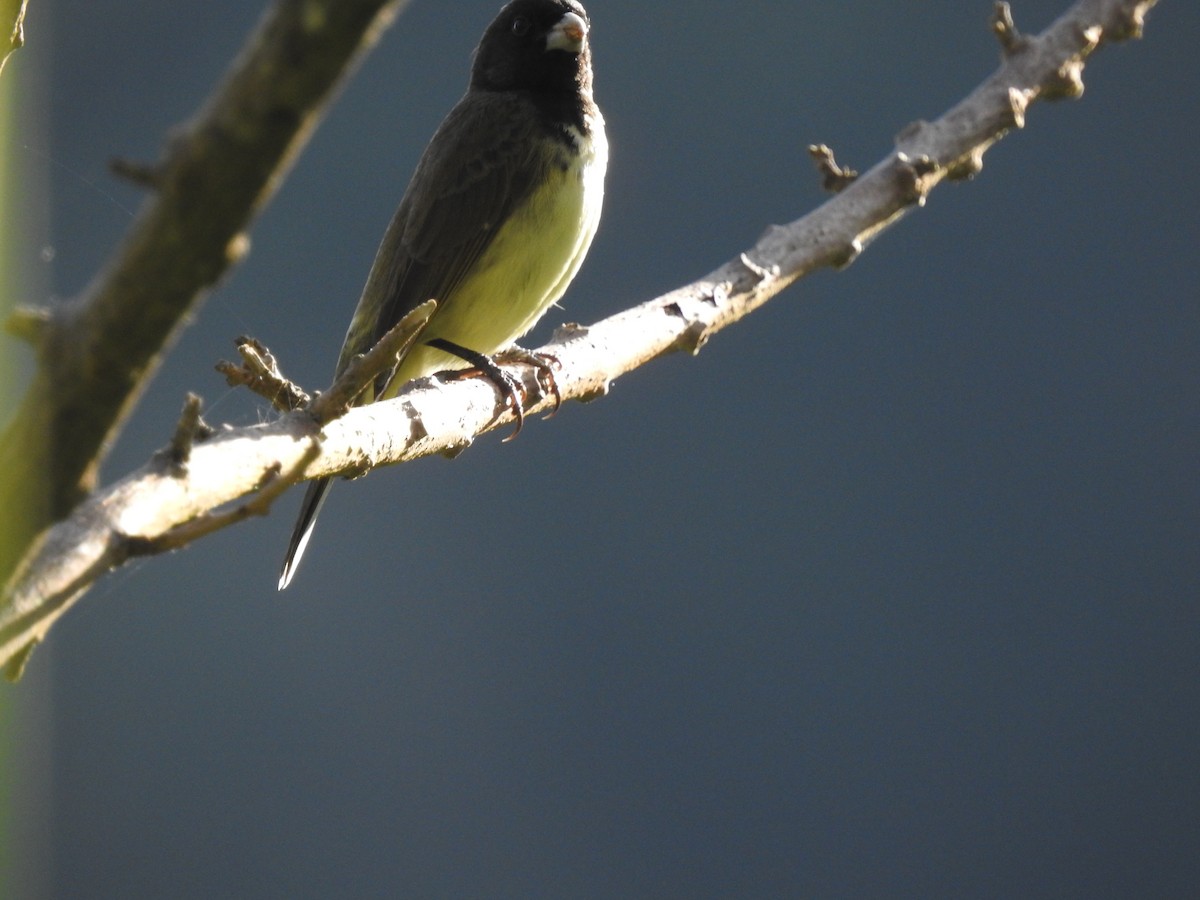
(520, 26)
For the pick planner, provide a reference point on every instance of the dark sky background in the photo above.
(892, 591)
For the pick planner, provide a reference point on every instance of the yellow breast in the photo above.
(527, 266)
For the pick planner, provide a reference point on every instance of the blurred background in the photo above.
(892, 591)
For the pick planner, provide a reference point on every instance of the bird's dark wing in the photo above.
(482, 164)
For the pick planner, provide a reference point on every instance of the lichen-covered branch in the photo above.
(97, 352)
(151, 508)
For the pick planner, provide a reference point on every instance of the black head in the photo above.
(535, 45)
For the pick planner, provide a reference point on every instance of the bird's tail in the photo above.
(314, 498)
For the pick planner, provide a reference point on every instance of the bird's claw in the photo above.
(544, 364)
(507, 384)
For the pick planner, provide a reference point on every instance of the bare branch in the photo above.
(433, 417)
(97, 353)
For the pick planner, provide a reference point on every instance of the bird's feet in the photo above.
(508, 385)
(543, 363)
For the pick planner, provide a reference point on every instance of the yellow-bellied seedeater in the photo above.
(499, 213)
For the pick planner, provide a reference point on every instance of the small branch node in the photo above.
(834, 178)
(133, 546)
(416, 424)
(760, 273)
(144, 175)
(694, 337)
(260, 373)
(190, 429)
(1091, 39)
(14, 668)
(717, 296)
(238, 248)
(377, 363)
(848, 254)
(567, 331)
(968, 167)
(596, 393)
(1011, 40)
(1130, 22)
(30, 323)
(456, 450)
(913, 172)
(1018, 102)
(1067, 83)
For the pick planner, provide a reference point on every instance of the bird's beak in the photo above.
(569, 34)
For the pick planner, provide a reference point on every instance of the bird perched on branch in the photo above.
(499, 213)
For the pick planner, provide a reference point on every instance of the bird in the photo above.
(497, 217)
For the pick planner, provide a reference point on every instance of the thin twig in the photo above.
(188, 430)
(1011, 40)
(834, 178)
(367, 367)
(260, 373)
